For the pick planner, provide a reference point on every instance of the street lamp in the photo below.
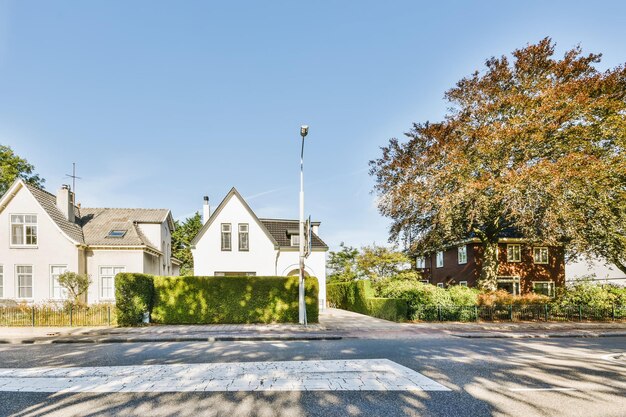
(304, 130)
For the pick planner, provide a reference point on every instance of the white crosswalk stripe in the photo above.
(318, 375)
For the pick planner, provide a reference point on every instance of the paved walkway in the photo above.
(334, 324)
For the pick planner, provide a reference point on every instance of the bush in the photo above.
(589, 293)
(134, 294)
(463, 296)
(417, 295)
(359, 297)
(205, 300)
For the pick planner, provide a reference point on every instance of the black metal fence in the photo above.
(98, 315)
(538, 312)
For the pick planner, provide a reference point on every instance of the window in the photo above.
(513, 253)
(295, 240)
(243, 237)
(424, 281)
(58, 292)
(540, 255)
(23, 229)
(544, 288)
(440, 259)
(24, 275)
(509, 284)
(117, 233)
(226, 236)
(462, 250)
(107, 280)
(1, 281)
(420, 262)
(463, 283)
(440, 284)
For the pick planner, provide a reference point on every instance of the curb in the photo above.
(535, 335)
(167, 339)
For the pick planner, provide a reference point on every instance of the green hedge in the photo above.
(206, 300)
(134, 295)
(358, 296)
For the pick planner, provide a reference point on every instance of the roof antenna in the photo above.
(73, 177)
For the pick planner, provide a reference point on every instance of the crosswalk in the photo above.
(315, 375)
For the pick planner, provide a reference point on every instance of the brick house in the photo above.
(522, 268)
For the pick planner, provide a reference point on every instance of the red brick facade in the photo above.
(453, 273)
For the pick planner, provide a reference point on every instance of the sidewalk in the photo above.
(334, 324)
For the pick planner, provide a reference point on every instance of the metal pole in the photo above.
(301, 304)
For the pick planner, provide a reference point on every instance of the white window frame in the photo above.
(24, 226)
(439, 259)
(226, 230)
(102, 276)
(463, 283)
(440, 285)
(420, 262)
(541, 250)
(462, 254)
(295, 240)
(245, 233)
(17, 282)
(510, 252)
(516, 281)
(1, 281)
(551, 287)
(54, 283)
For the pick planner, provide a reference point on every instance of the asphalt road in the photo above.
(488, 377)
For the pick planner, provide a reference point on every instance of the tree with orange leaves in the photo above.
(534, 143)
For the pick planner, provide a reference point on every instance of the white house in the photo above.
(598, 269)
(234, 241)
(48, 235)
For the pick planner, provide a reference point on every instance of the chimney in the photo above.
(315, 227)
(65, 202)
(206, 210)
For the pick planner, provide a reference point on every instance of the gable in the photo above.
(233, 209)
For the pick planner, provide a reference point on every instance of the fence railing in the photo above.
(539, 312)
(100, 315)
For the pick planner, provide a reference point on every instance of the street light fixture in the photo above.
(304, 130)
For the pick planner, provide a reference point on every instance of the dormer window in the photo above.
(24, 230)
(295, 240)
(117, 234)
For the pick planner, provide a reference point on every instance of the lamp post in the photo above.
(304, 130)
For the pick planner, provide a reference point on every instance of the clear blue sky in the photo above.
(160, 103)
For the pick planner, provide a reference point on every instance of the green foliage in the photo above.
(463, 296)
(358, 296)
(205, 300)
(13, 167)
(416, 294)
(75, 284)
(381, 262)
(342, 264)
(183, 234)
(134, 295)
(588, 293)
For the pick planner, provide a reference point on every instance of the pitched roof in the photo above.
(92, 225)
(283, 229)
(48, 202)
(98, 222)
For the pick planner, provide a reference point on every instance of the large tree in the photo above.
(381, 262)
(13, 167)
(342, 264)
(535, 143)
(182, 236)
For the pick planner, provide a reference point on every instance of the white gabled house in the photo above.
(234, 241)
(48, 234)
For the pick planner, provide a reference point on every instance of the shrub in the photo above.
(204, 300)
(463, 296)
(588, 293)
(133, 297)
(359, 297)
(417, 295)
(75, 284)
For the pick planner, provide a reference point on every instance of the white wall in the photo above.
(315, 265)
(131, 260)
(602, 272)
(53, 248)
(209, 258)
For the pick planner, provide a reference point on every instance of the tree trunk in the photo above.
(489, 269)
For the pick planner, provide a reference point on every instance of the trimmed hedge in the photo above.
(358, 296)
(208, 300)
(134, 295)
